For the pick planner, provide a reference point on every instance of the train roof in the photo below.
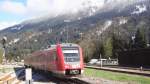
(68, 45)
(62, 45)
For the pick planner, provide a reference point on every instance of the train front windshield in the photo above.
(71, 55)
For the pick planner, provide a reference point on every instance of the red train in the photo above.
(62, 59)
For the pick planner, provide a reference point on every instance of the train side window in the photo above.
(49, 56)
(55, 56)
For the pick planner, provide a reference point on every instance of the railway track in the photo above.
(61, 80)
(47, 78)
(18, 77)
(78, 81)
(71, 81)
(130, 68)
(127, 70)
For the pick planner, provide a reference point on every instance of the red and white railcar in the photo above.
(63, 59)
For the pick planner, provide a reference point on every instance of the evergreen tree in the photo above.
(140, 39)
(108, 47)
(118, 45)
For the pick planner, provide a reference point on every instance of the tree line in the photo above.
(112, 45)
(107, 47)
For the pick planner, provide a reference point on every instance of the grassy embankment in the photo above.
(117, 76)
(3, 69)
(1, 54)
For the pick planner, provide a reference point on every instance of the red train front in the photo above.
(61, 59)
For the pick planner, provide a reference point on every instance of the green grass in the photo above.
(117, 76)
(5, 70)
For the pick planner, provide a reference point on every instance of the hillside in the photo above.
(92, 26)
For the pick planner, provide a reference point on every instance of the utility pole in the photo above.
(101, 63)
(67, 34)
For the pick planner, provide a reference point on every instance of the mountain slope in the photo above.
(121, 18)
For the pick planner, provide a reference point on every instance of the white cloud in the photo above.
(54, 7)
(4, 25)
(63, 6)
(40, 7)
(34, 8)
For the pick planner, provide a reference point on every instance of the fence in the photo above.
(140, 57)
(104, 62)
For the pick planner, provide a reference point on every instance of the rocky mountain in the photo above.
(95, 21)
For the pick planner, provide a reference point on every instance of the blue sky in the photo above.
(7, 16)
